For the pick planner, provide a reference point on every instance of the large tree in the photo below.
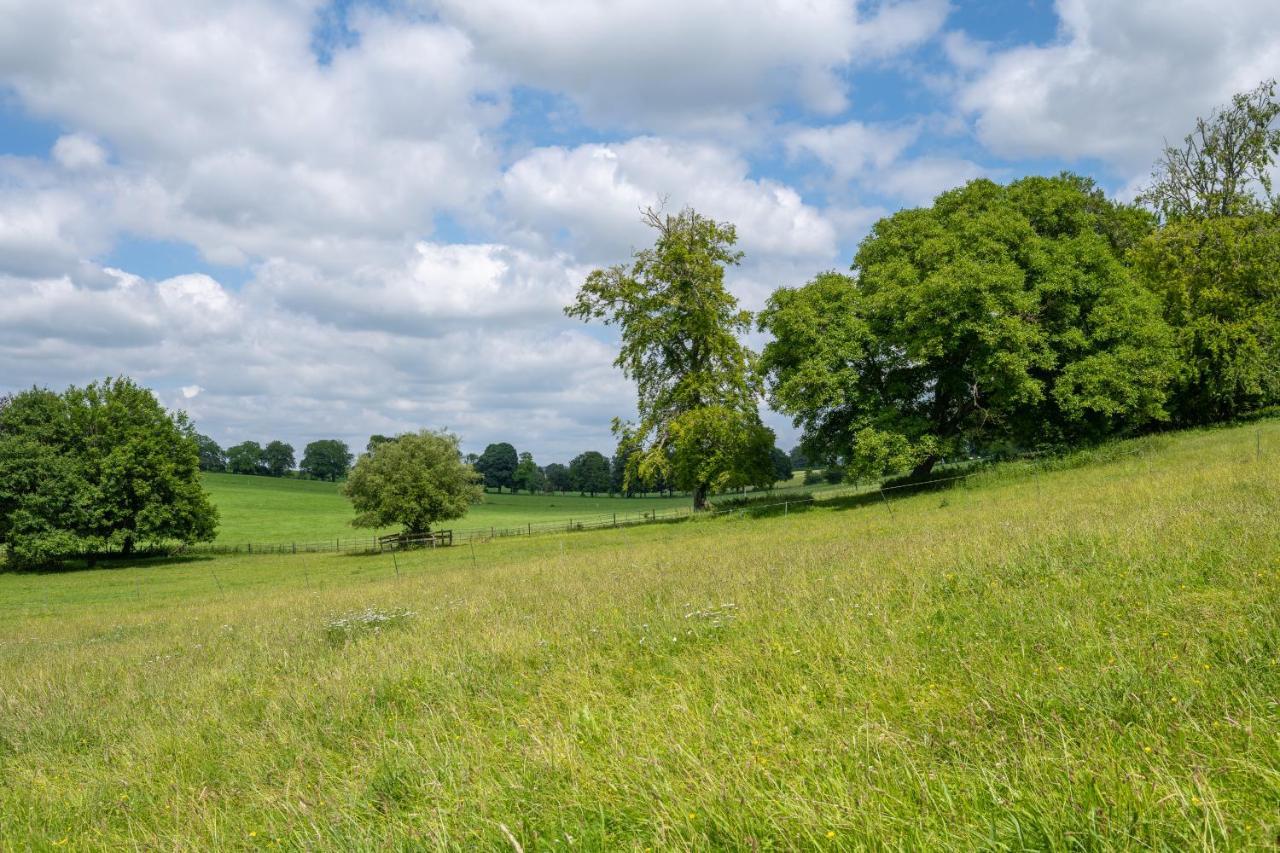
(558, 477)
(590, 472)
(277, 458)
(1219, 281)
(326, 459)
(528, 475)
(999, 312)
(1224, 166)
(246, 458)
(498, 466)
(97, 470)
(413, 481)
(212, 457)
(697, 393)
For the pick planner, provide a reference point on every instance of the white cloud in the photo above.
(851, 149)
(919, 181)
(76, 151)
(1122, 77)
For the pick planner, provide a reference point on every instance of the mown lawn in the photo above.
(1079, 658)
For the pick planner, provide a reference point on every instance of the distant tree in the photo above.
(782, 470)
(590, 472)
(375, 440)
(97, 469)
(619, 483)
(326, 459)
(799, 461)
(471, 459)
(413, 481)
(277, 458)
(1224, 166)
(1219, 282)
(498, 466)
(998, 313)
(696, 387)
(558, 477)
(212, 457)
(246, 458)
(528, 475)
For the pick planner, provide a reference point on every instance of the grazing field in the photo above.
(1084, 655)
(273, 509)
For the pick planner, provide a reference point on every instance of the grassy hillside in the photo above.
(1086, 657)
(271, 509)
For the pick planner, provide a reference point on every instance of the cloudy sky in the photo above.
(301, 219)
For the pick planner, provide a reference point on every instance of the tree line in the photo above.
(325, 459)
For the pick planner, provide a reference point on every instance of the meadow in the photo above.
(1073, 654)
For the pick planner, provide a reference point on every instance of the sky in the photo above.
(298, 219)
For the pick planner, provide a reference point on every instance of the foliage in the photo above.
(997, 313)
(528, 475)
(679, 328)
(277, 458)
(498, 466)
(558, 477)
(95, 470)
(212, 457)
(375, 440)
(246, 458)
(326, 459)
(413, 481)
(799, 461)
(782, 469)
(1219, 282)
(589, 472)
(1224, 166)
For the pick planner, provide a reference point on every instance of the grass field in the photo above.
(271, 509)
(1083, 657)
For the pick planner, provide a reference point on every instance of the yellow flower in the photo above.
(831, 834)
(252, 833)
(692, 815)
(1146, 749)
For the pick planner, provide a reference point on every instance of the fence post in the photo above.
(615, 519)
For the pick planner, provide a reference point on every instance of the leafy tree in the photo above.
(97, 469)
(498, 466)
(277, 458)
(799, 461)
(528, 475)
(246, 458)
(326, 459)
(413, 481)
(695, 382)
(1219, 281)
(212, 457)
(1224, 166)
(618, 480)
(999, 312)
(558, 477)
(590, 472)
(782, 469)
(375, 440)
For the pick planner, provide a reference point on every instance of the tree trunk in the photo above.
(925, 467)
(126, 547)
(700, 497)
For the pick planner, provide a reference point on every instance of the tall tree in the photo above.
(498, 466)
(558, 477)
(1223, 167)
(799, 461)
(277, 458)
(999, 312)
(699, 422)
(782, 470)
(212, 457)
(590, 472)
(95, 470)
(528, 475)
(414, 481)
(375, 440)
(1219, 282)
(246, 458)
(326, 459)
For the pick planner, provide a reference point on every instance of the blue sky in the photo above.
(298, 219)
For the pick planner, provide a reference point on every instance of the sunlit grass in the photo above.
(1077, 658)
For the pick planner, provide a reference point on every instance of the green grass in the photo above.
(1086, 657)
(277, 510)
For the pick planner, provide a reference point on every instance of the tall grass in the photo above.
(1083, 658)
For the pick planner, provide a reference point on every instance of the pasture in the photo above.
(1078, 655)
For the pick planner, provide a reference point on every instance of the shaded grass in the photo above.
(1084, 658)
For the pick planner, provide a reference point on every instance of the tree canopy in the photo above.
(695, 381)
(498, 466)
(528, 475)
(212, 457)
(999, 312)
(245, 458)
(590, 472)
(95, 470)
(277, 458)
(326, 459)
(558, 477)
(413, 481)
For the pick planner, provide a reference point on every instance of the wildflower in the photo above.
(831, 834)
(253, 833)
(692, 815)
(1146, 749)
